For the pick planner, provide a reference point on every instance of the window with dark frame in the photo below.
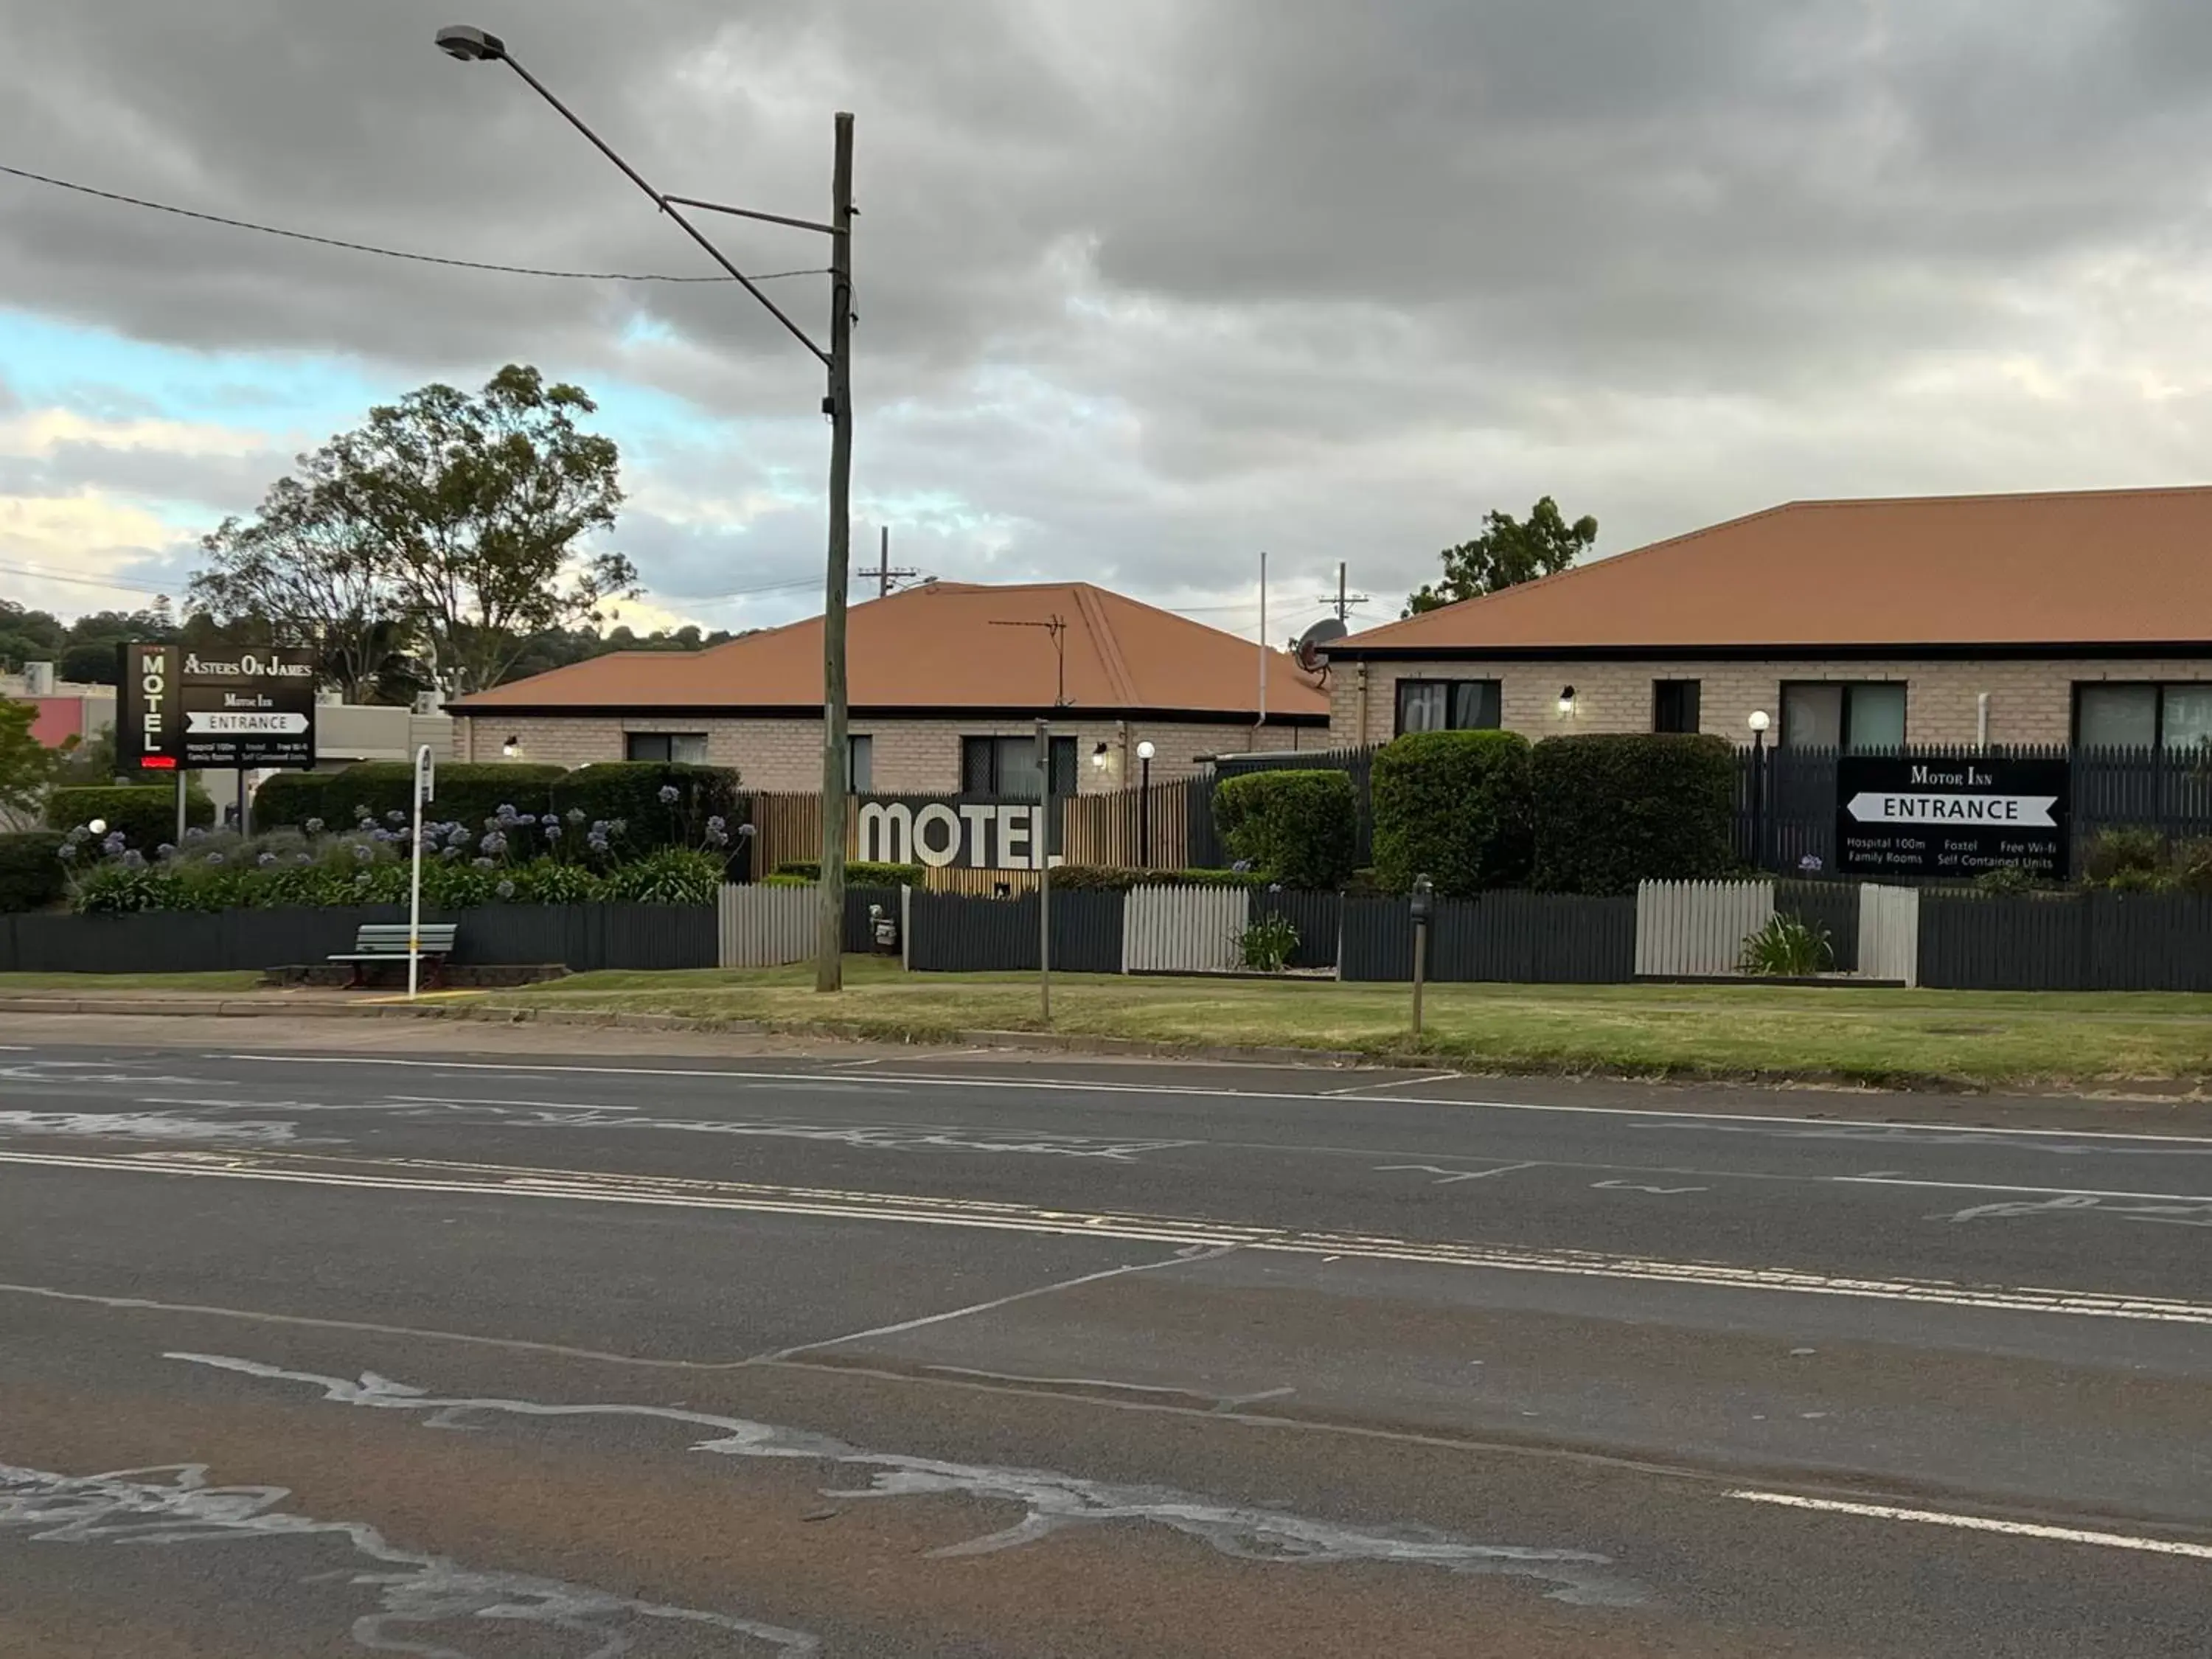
(2141, 714)
(859, 763)
(681, 748)
(1448, 706)
(1007, 767)
(1675, 705)
(1851, 716)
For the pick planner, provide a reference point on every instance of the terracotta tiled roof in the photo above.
(946, 646)
(2109, 567)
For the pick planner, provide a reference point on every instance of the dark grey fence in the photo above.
(953, 933)
(2066, 941)
(578, 936)
(1317, 916)
(1206, 851)
(1558, 938)
(859, 926)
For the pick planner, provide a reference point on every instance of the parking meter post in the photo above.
(1424, 905)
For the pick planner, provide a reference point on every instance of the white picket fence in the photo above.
(1697, 928)
(765, 927)
(1889, 933)
(1184, 930)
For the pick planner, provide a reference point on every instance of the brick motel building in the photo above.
(2081, 619)
(946, 682)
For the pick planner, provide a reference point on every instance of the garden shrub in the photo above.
(674, 875)
(289, 800)
(634, 793)
(32, 876)
(466, 792)
(858, 873)
(1615, 809)
(146, 814)
(1300, 827)
(1454, 806)
(1109, 878)
(2126, 857)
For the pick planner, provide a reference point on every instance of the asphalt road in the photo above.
(310, 1344)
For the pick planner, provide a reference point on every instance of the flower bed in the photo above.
(509, 858)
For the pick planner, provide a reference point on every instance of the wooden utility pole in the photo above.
(1044, 871)
(829, 951)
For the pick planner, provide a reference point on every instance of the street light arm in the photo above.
(753, 213)
(663, 204)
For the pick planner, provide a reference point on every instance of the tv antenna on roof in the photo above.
(1057, 627)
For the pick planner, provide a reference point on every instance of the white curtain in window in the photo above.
(2188, 716)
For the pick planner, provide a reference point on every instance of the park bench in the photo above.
(378, 942)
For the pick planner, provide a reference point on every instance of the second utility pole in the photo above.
(829, 946)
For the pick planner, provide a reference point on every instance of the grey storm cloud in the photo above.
(1144, 287)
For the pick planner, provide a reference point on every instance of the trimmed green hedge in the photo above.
(145, 813)
(467, 793)
(1454, 806)
(630, 790)
(1301, 827)
(1105, 879)
(289, 799)
(858, 873)
(1616, 809)
(31, 873)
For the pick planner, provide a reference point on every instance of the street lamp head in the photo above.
(1145, 751)
(470, 44)
(1760, 722)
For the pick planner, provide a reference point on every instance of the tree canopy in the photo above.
(451, 524)
(1509, 551)
(25, 763)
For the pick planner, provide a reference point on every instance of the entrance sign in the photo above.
(1954, 818)
(971, 834)
(244, 708)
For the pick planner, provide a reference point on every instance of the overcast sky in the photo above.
(1144, 288)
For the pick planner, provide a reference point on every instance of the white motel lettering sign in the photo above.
(972, 835)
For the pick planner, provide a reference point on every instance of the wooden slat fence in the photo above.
(1185, 930)
(1696, 929)
(1108, 831)
(765, 927)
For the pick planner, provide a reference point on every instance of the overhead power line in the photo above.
(36, 574)
(389, 253)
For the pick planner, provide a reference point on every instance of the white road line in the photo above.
(472, 1100)
(1186, 1092)
(1177, 1259)
(1391, 1083)
(2110, 1540)
(2041, 1192)
(498, 1180)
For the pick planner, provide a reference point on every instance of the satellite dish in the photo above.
(1310, 643)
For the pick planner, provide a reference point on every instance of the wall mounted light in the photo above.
(1566, 699)
(1099, 757)
(511, 748)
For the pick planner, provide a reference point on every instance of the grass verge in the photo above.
(1908, 1038)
